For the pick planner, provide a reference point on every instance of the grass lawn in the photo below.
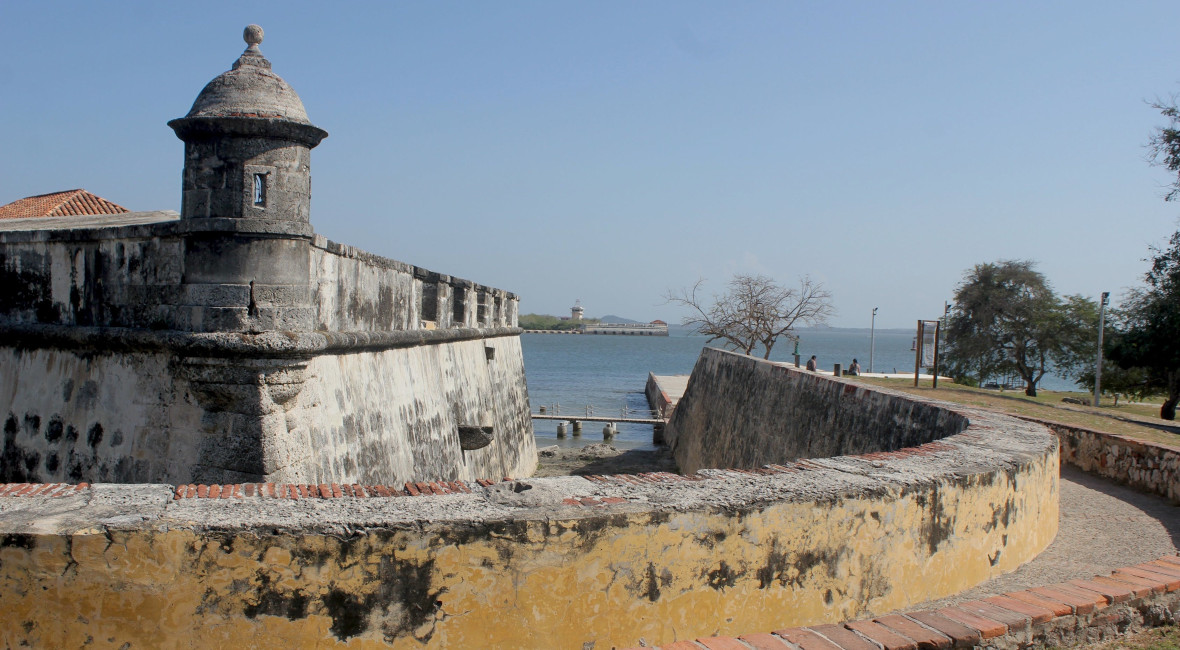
(1160, 638)
(1139, 421)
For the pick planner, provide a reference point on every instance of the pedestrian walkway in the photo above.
(1102, 526)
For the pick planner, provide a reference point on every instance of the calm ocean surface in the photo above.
(608, 373)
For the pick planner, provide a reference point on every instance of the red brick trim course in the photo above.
(435, 488)
(1071, 611)
(40, 489)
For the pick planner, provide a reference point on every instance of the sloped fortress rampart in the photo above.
(231, 343)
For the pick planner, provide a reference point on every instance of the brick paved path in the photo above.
(1103, 527)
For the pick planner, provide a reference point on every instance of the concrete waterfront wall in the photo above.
(738, 411)
(542, 563)
(659, 400)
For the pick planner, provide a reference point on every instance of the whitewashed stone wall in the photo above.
(383, 416)
(403, 420)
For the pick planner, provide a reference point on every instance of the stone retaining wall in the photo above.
(1147, 466)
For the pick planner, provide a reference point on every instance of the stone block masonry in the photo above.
(1147, 466)
(132, 276)
(107, 372)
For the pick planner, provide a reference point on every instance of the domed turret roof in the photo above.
(248, 101)
(250, 89)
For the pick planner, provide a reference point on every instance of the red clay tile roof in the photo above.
(60, 204)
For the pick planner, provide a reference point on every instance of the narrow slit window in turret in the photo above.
(260, 190)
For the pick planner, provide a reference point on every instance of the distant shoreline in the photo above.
(681, 328)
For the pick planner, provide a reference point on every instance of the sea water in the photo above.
(605, 375)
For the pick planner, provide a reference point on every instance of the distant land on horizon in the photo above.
(866, 330)
(611, 318)
(675, 326)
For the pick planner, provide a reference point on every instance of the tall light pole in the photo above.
(872, 338)
(1101, 324)
(946, 319)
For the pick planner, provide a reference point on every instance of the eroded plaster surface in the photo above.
(554, 563)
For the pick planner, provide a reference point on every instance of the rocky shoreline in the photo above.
(602, 458)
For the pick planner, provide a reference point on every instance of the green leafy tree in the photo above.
(1164, 144)
(1116, 380)
(547, 322)
(755, 311)
(1147, 344)
(1077, 338)
(1149, 332)
(1007, 320)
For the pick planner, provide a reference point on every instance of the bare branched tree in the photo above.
(755, 311)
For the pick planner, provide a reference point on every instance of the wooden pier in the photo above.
(662, 394)
(609, 431)
(596, 418)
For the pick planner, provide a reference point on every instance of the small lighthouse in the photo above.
(576, 311)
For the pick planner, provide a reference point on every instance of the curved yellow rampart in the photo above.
(542, 563)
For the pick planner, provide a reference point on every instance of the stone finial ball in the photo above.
(252, 34)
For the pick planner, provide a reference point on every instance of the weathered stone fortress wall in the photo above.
(71, 271)
(741, 412)
(100, 381)
(656, 557)
(358, 291)
(126, 276)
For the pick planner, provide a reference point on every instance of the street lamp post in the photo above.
(946, 319)
(872, 338)
(1101, 324)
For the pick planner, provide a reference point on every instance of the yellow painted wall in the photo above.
(608, 575)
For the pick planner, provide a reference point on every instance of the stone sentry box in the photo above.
(235, 344)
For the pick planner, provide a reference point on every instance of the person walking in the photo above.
(812, 365)
(854, 369)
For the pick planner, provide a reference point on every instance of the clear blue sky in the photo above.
(610, 151)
